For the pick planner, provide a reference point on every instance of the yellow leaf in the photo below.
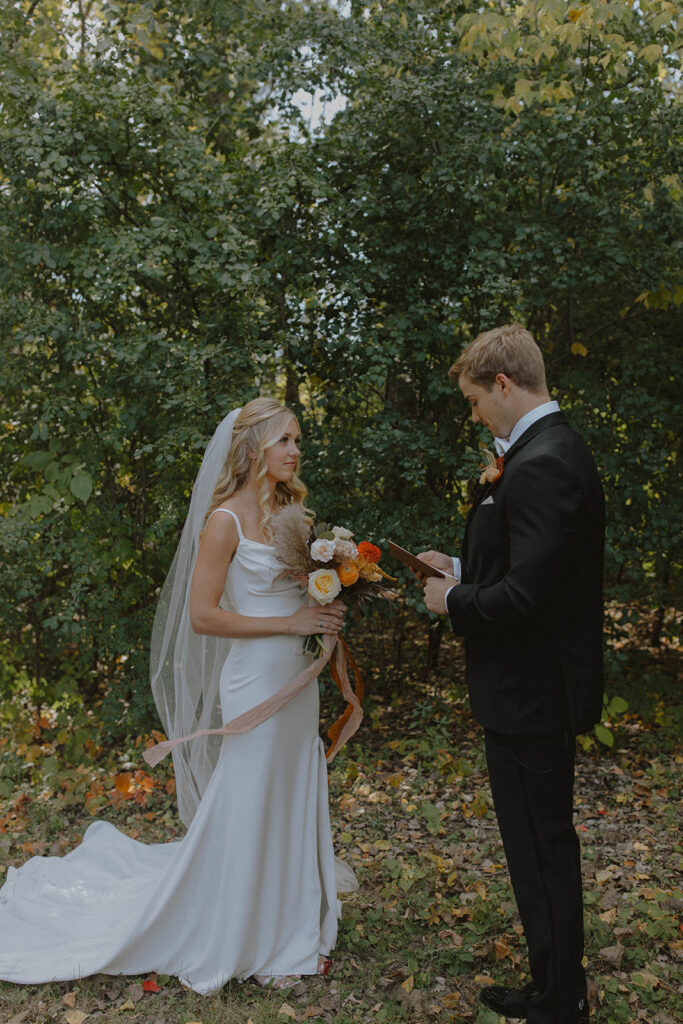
(287, 1011)
(382, 844)
(578, 349)
(128, 1005)
(451, 1000)
(645, 978)
(75, 1016)
(651, 54)
(409, 984)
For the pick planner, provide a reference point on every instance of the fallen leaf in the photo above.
(451, 1000)
(135, 992)
(150, 985)
(312, 1011)
(18, 1018)
(604, 875)
(613, 954)
(75, 1017)
(408, 984)
(287, 1011)
(645, 978)
(128, 1005)
(69, 999)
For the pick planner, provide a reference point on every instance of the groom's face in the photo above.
(490, 408)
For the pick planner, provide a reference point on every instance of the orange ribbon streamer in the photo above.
(347, 723)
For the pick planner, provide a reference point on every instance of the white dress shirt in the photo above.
(501, 445)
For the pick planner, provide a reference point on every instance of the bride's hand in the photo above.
(326, 619)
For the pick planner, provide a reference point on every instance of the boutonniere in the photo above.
(493, 470)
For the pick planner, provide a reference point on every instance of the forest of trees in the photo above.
(179, 234)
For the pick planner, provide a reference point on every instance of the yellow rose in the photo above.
(324, 585)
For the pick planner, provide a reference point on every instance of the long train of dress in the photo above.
(250, 889)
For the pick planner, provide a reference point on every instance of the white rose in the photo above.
(322, 550)
(341, 533)
(345, 550)
(324, 585)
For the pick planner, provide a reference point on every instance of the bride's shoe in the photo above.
(289, 980)
(276, 980)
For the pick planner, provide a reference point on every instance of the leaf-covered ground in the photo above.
(434, 917)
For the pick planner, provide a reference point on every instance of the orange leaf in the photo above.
(150, 986)
(123, 784)
(144, 781)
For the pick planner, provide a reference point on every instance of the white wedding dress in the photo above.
(250, 889)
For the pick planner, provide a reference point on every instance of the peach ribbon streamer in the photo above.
(348, 723)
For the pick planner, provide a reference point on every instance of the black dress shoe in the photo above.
(513, 1002)
(508, 1002)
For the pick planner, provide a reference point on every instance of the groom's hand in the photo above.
(435, 590)
(438, 560)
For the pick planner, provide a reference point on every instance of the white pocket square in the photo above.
(488, 501)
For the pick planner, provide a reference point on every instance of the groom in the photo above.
(527, 597)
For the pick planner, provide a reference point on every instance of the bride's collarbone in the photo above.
(249, 523)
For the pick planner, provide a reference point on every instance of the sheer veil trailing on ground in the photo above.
(186, 667)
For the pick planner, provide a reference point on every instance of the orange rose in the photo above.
(347, 573)
(369, 551)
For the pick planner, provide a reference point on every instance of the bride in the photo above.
(250, 891)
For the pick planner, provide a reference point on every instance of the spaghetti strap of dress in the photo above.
(234, 516)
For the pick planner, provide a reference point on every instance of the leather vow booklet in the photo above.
(413, 562)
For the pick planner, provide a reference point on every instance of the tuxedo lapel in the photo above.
(482, 491)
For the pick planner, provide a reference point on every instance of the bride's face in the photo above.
(282, 458)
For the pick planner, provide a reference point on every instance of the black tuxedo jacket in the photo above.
(530, 601)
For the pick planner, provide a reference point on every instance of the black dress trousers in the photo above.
(532, 782)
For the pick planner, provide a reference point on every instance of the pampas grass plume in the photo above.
(291, 530)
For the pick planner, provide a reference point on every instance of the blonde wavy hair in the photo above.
(259, 425)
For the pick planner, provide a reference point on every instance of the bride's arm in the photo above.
(216, 550)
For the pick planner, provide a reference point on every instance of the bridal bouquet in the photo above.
(326, 559)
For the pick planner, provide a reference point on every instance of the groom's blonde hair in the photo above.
(511, 350)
